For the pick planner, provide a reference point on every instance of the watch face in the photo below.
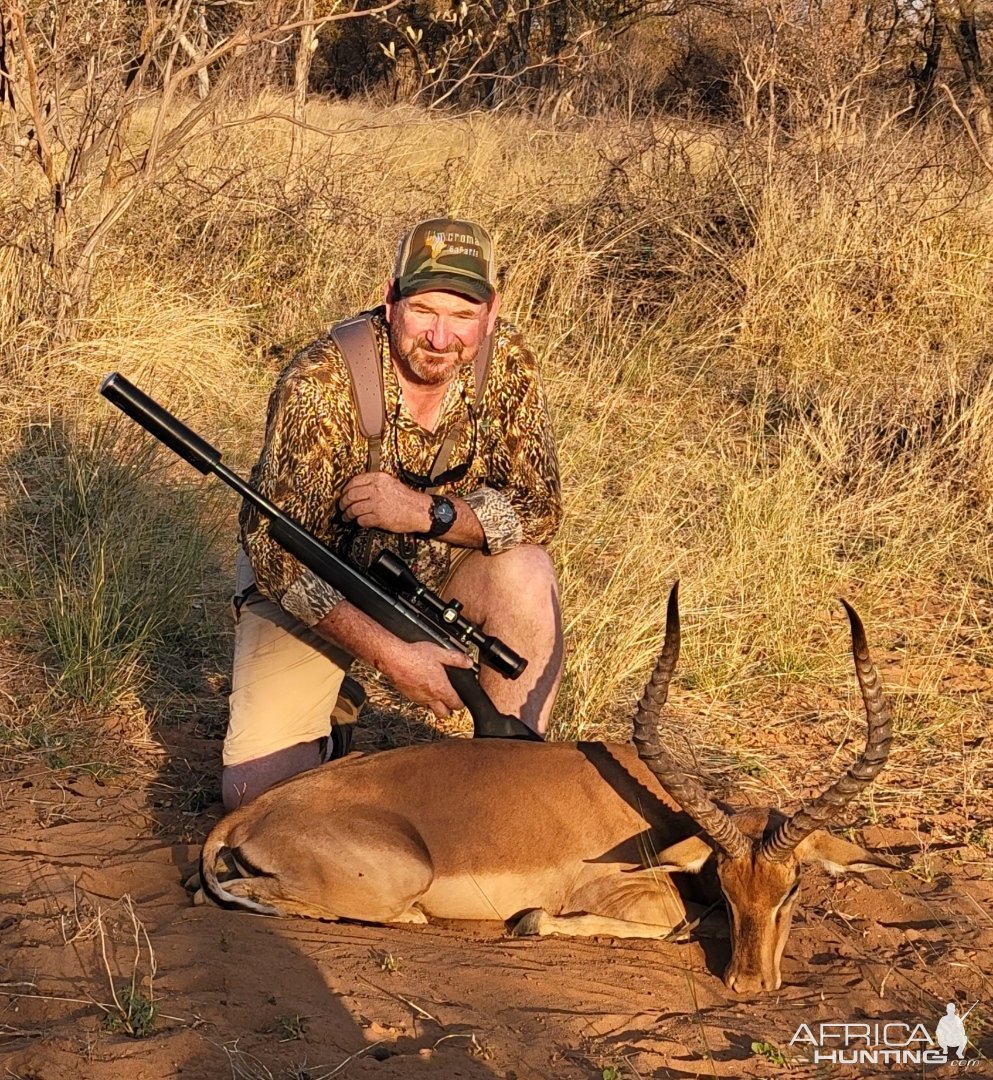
(444, 512)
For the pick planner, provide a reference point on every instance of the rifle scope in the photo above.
(394, 574)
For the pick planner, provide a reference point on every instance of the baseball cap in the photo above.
(448, 254)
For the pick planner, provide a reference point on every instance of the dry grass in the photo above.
(770, 379)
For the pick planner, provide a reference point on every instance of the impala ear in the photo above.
(686, 857)
(839, 856)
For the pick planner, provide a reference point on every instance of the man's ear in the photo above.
(389, 293)
(493, 313)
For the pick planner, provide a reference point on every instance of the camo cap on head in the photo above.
(447, 254)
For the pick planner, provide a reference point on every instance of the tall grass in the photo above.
(105, 561)
(770, 377)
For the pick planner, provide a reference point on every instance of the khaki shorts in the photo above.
(285, 678)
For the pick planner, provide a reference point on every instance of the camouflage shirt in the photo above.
(313, 447)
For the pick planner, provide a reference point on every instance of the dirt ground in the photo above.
(95, 923)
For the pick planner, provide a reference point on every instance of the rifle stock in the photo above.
(392, 612)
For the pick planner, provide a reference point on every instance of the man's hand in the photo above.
(418, 671)
(377, 500)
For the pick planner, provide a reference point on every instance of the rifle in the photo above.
(390, 594)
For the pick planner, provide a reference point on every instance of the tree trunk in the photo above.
(67, 306)
(6, 62)
(925, 79)
(959, 18)
(301, 76)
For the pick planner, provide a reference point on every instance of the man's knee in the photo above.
(531, 562)
(515, 581)
(522, 565)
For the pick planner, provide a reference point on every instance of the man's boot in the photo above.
(344, 717)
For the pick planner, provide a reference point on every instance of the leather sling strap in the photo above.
(357, 340)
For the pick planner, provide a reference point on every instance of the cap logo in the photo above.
(435, 243)
(446, 254)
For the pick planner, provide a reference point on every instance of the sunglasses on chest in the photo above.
(440, 475)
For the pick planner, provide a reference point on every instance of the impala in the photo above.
(562, 838)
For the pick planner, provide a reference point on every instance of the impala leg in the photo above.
(642, 904)
(254, 890)
(370, 865)
(539, 922)
(226, 869)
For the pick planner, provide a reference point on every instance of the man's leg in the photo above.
(284, 685)
(242, 782)
(514, 596)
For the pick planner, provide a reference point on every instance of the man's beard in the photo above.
(427, 365)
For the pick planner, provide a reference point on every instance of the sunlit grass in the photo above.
(770, 378)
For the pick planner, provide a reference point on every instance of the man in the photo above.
(465, 490)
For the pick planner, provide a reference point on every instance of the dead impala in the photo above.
(565, 838)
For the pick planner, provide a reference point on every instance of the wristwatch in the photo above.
(443, 516)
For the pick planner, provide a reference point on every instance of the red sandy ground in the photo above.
(243, 996)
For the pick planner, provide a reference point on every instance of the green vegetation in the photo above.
(389, 962)
(134, 1014)
(770, 1053)
(291, 1028)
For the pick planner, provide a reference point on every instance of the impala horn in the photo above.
(779, 844)
(684, 787)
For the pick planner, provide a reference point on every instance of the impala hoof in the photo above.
(531, 924)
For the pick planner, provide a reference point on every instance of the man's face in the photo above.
(434, 333)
